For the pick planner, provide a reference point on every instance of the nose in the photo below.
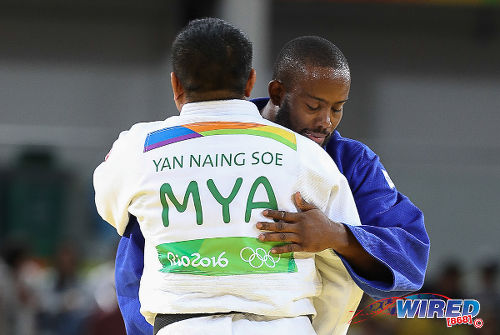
(324, 120)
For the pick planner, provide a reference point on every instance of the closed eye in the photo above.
(334, 110)
(313, 108)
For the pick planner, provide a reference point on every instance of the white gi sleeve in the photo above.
(113, 184)
(340, 295)
(323, 185)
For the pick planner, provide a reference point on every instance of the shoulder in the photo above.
(134, 139)
(145, 128)
(360, 165)
(140, 131)
(349, 153)
(348, 147)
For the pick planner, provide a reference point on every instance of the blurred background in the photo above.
(425, 96)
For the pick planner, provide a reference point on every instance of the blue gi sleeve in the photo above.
(129, 264)
(392, 229)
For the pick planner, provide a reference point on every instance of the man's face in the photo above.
(313, 105)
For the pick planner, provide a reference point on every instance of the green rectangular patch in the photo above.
(224, 256)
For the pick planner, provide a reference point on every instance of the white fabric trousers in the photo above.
(240, 324)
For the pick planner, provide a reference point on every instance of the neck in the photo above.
(213, 95)
(269, 111)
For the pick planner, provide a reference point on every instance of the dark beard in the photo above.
(283, 116)
(283, 119)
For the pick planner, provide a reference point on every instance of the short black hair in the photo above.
(307, 50)
(210, 54)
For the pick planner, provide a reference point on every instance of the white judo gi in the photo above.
(197, 184)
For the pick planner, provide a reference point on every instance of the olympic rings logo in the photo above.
(258, 257)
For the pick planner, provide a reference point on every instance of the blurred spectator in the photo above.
(106, 319)
(488, 295)
(66, 302)
(35, 199)
(18, 301)
(449, 282)
(489, 298)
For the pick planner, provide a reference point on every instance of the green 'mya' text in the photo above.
(167, 198)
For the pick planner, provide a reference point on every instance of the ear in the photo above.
(276, 92)
(178, 91)
(250, 82)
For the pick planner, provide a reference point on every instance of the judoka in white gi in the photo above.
(198, 183)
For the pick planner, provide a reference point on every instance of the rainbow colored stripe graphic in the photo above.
(166, 136)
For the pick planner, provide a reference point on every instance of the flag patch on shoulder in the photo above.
(166, 136)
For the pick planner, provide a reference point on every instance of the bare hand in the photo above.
(308, 230)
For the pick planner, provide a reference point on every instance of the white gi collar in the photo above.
(220, 108)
